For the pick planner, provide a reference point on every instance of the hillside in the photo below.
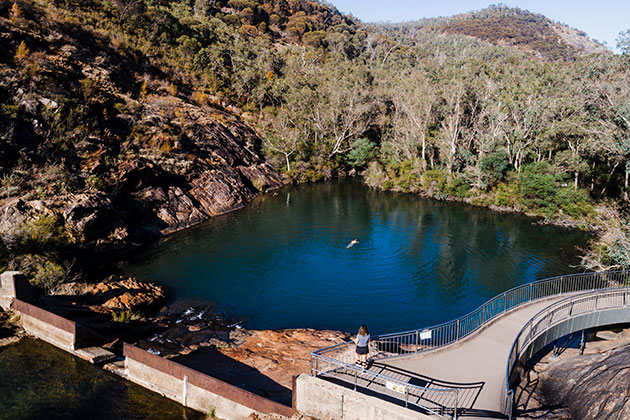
(124, 120)
(527, 31)
(103, 148)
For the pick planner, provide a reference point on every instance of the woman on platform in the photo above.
(362, 339)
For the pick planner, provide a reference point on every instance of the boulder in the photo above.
(592, 387)
(115, 293)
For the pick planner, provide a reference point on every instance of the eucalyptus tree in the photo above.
(415, 101)
(344, 107)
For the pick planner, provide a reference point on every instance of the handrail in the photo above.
(554, 314)
(420, 340)
(405, 388)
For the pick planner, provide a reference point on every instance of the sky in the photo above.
(600, 19)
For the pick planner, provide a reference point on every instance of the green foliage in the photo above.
(126, 316)
(40, 235)
(506, 195)
(575, 203)
(363, 151)
(459, 187)
(623, 41)
(537, 188)
(43, 273)
(403, 176)
(494, 166)
(96, 183)
(434, 181)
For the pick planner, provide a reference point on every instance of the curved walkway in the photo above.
(462, 363)
(480, 358)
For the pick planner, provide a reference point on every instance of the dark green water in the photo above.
(41, 382)
(282, 261)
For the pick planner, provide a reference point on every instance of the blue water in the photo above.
(282, 262)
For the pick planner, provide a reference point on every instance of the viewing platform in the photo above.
(468, 367)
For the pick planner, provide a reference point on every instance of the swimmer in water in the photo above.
(352, 243)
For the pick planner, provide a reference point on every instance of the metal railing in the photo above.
(425, 339)
(553, 315)
(433, 400)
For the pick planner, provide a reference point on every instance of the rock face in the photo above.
(115, 294)
(139, 159)
(573, 386)
(592, 387)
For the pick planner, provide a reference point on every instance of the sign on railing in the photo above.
(425, 339)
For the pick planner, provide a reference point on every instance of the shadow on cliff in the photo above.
(210, 361)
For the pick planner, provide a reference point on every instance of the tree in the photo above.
(363, 150)
(128, 9)
(284, 134)
(343, 108)
(414, 100)
(623, 41)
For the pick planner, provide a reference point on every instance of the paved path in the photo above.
(482, 357)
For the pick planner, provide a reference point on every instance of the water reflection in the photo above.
(283, 262)
(39, 381)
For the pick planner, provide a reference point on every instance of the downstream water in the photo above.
(282, 262)
(39, 381)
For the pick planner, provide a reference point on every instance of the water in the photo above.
(39, 381)
(282, 262)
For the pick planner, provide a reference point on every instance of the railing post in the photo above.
(457, 330)
(456, 403)
(417, 342)
(504, 301)
(406, 397)
(483, 314)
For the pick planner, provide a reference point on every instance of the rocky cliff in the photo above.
(109, 148)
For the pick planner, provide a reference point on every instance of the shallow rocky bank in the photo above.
(261, 361)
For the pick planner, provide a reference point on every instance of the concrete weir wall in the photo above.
(13, 285)
(325, 400)
(47, 326)
(194, 389)
(187, 386)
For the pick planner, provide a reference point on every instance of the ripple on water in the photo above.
(285, 262)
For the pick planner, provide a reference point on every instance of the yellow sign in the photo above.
(395, 387)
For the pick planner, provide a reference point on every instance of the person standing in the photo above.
(362, 339)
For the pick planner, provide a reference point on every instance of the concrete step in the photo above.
(117, 368)
(95, 355)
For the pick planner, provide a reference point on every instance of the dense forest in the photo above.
(495, 108)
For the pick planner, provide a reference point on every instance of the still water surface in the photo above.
(41, 382)
(282, 262)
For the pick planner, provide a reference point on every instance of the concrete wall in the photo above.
(46, 326)
(13, 285)
(194, 389)
(325, 400)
